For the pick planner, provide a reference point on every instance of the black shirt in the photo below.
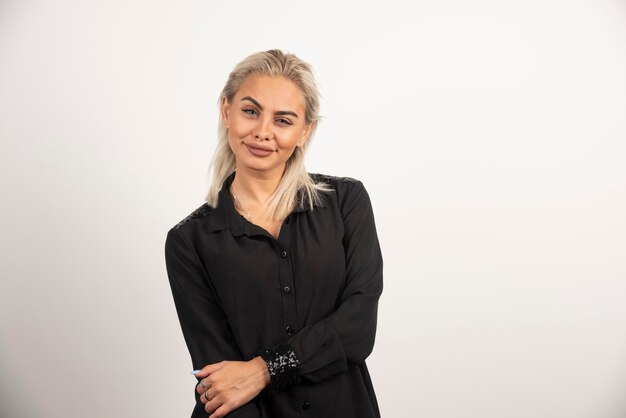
(306, 302)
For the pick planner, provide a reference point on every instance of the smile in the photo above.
(259, 152)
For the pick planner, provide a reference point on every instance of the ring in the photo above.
(202, 384)
(206, 396)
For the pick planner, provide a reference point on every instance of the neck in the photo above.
(256, 186)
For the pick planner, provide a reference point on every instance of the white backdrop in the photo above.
(490, 135)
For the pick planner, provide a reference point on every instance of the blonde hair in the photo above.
(296, 186)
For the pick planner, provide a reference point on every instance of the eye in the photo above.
(284, 121)
(248, 111)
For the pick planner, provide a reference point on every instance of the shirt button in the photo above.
(289, 329)
(306, 405)
(283, 253)
(287, 289)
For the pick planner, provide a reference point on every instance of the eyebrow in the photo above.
(279, 112)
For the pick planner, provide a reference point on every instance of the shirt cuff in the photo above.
(282, 365)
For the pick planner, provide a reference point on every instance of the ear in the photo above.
(225, 112)
(307, 132)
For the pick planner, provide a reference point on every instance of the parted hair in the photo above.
(296, 186)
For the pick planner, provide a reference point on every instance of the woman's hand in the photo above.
(227, 385)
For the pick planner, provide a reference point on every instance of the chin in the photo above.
(254, 165)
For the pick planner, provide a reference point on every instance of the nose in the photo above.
(262, 130)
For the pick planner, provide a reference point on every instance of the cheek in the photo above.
(235, 140)
(288, 142)
(240, 127)
(232, 145)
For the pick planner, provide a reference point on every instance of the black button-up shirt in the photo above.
(306, 301)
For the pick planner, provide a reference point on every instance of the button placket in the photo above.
(286, 281)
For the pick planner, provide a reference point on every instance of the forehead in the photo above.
(278, 93)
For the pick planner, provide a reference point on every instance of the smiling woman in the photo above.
(276, 277)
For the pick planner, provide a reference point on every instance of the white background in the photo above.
(490, 135)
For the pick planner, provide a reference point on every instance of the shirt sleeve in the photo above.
(205, 327)
(324, 349)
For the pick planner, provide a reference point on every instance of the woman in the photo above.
(276, 278)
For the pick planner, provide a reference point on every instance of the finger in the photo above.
(209, 394)
(209, 368)
(220, 412)
(212, 405)
(206, 397)
(202, 385)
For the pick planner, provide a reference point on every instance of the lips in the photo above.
(258, 150)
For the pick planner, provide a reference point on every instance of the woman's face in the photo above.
(265, 123)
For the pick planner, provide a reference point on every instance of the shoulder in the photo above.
(326, 178)
(181, 236)
(340, 184)
(346, 189)
(202, 212)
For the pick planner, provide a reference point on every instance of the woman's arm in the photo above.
(204, 324)
(324, 349)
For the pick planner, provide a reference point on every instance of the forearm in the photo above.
(325, 348)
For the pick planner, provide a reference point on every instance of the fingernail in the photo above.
(195, 372)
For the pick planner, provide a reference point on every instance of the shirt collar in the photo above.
(226, 216)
